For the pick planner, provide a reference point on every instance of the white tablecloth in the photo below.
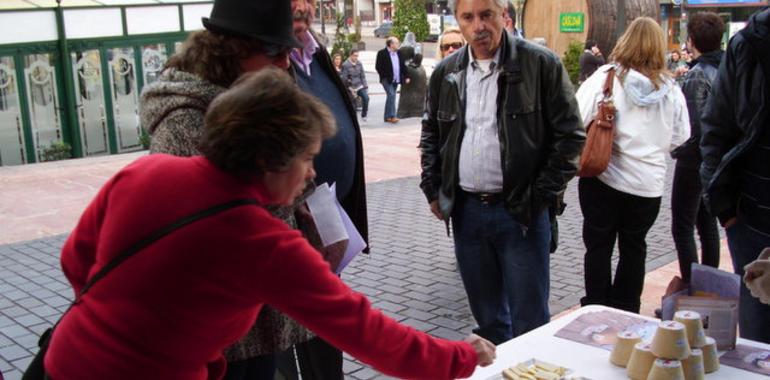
(582, 359)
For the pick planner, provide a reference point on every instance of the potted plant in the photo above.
(58, 150)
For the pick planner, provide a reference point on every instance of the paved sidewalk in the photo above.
(410, 274)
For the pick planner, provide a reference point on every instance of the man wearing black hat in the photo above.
(341, 160)
(240, 36)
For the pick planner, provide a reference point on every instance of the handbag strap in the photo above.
(157, 235)
(608, 83)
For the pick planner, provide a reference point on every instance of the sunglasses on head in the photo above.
(456, 45)
(273, 50)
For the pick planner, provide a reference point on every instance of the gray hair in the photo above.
(500, 3)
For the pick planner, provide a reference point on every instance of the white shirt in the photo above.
(480, 167)
(650, 123)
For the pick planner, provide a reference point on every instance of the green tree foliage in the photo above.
(410, 16)
(342, 44)
(571, 60)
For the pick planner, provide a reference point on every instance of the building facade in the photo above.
(70, 76)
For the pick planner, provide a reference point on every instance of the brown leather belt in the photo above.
(485, 198)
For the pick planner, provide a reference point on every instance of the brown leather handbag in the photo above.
(601, 133)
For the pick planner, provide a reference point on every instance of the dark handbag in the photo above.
(601, 133)
(36, 370)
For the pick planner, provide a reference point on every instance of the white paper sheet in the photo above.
(324, 207)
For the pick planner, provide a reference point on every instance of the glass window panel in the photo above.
(89, 91)
(141, 20)
(11, 132)
(153, 59)
(125, 99)
(43, 102)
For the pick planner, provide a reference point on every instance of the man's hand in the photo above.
(407, 80)
(485, 350)
(757, 276)
(435, 210)
(681, 70)
(731, 222)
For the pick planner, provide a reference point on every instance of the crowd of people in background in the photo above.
(254, 110)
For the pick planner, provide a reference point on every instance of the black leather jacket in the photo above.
(735, 116)
(540, 129)
(696, 89)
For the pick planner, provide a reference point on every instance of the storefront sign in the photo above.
(571, 22)
(716, 3)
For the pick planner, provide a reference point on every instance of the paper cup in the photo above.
(693, 366)
(640, 362)
(710, 357)
(693, 326)
(624, 345)
(665, 369)
(670, 341)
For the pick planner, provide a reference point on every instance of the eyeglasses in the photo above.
(273, 50)
(456, 46)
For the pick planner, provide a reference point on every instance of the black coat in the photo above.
(696, 89)
(540, 129)
(355, 202)
(385, 67)
(736, 116)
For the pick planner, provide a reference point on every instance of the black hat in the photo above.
(270, 21)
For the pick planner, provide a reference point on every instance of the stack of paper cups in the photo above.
(665, 369)
(640, 362)
(693, 366)
(693, 325)
(624, 345)
(670, 341)
(710, 357)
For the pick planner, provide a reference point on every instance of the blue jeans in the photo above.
(753, 316)
(364, 95)
(390, 100)
(505, 271)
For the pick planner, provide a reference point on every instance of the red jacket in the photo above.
(170, 310)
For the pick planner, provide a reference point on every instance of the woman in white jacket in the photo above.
(623, 202)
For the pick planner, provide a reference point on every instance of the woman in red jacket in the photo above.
(168, 311)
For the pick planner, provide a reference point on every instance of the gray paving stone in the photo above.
(365, 373)
(5, 366)
(14, 331)
(5, 321)
(29, 302)
(29, 320)
(13, 352)
(417, 314)
(13, 375)
(23, 363)
(419, 325)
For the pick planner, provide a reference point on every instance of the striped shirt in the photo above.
(481, 170)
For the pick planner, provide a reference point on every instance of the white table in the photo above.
(582, 359)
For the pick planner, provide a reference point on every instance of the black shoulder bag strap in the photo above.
(36, 371)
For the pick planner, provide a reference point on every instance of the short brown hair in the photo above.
(642, 47)
(705, 30)
(214, 57)
(260, 124)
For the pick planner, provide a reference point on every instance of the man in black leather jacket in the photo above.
(736, 150)
(501, 135)
(704, 40)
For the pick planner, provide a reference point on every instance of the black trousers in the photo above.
(317, 359)
(687, 214)
(256, 368)
(610, 215)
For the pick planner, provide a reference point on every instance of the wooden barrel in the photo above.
(541, 20)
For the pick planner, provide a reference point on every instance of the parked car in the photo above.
(384, 30)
